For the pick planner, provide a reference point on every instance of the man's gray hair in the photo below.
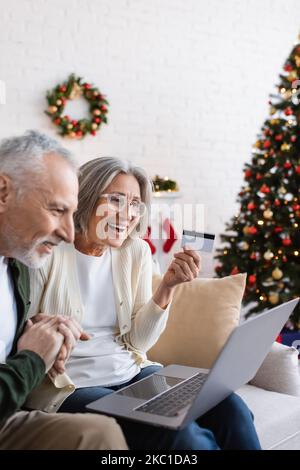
(95, 176)
(23, 155)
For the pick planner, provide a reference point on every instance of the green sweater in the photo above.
(23, 370)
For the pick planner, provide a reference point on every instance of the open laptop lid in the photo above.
(242, 356)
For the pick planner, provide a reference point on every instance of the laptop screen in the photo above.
(150, 387)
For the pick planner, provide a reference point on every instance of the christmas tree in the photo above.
(264, 238)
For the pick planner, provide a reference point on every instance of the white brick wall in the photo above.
(187, 80)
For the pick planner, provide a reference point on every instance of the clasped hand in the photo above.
(53, 339)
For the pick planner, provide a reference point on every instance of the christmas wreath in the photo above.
(72, 89)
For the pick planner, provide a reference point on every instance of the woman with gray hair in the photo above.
(104, 281)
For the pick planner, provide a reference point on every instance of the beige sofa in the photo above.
(202, 316)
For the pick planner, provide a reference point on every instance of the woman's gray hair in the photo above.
(95, 176)
(23, 155)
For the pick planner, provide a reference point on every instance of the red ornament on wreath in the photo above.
(72, 89)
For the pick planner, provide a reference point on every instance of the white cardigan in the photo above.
(55, 290)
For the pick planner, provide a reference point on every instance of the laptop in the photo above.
(176, 395)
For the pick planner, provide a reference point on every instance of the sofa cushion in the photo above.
(276, 417)
(203, 313)
(279, 372)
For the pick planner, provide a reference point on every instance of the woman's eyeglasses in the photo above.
(119, 201)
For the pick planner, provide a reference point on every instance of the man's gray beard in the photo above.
(27, 256)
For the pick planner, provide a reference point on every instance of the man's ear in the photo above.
(6, 192)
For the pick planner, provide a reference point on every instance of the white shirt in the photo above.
(100, 360)
(8, 310)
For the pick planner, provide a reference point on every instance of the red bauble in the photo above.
(253, 256)
(62, 89)
(277, 202)
(278, 229)
(252, 230)
(267, 144)
(252, 279)
(251, 206)
(79, 133)
(248, 173)
(235, 270)
(103, 108)
(93, 133)
(287, 242)
(297, 169)
(57, 121)
(97, 120)
(284, 259)
(288, 67)
(74, 122)
(296, 207)
(258, 176)
(287, 165)
(265, 189)
(87, 86)
(293, 138)
(278, 137)
(288, 111)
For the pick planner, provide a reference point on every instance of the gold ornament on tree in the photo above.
(268, 214)
(244, 246)
(274, 298)
(277, 274)
(292, 76)
(268, 255)
(297, 60)
(285, 147)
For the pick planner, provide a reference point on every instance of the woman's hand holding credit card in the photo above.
(197, 241)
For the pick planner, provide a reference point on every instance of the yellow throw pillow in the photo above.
(202, 315)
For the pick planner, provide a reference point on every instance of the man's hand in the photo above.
(71, 331)
(43, 338)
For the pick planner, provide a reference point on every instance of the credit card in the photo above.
(197, 241)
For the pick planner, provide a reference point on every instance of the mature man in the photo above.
(38, 196)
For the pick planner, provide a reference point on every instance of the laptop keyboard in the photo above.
(173, 401)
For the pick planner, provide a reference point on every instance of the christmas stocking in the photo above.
(148, 240)
(168, 227)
